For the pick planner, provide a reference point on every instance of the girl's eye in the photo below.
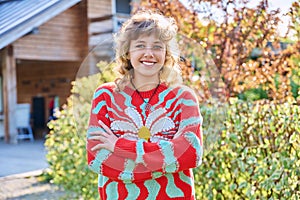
(157, 47)
(140, 46)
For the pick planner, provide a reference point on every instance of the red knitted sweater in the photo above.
(158, 166)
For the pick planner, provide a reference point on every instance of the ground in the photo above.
(28, 188)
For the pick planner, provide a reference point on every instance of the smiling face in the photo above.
(147, 51)
(147, 56)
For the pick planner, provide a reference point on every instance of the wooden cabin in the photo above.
(44, 46)
(105, 18)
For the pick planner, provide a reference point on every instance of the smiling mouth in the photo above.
(148, 63)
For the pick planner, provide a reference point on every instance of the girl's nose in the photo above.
(148, 52)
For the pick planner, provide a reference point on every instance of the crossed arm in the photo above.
(129, 161)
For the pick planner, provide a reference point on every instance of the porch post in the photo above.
(9, 94)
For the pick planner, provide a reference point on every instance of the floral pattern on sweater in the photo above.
(157, 166)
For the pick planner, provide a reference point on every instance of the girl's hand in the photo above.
(108, 138)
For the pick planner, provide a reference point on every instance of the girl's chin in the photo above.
(148, 66)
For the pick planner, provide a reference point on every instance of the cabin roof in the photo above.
(21, 17)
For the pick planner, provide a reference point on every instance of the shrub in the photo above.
(257, 155)
(253, 94)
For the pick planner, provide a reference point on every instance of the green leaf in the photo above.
(233, 187)
(243, 185)
(276, 175)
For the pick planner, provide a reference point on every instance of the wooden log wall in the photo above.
(63, 38)
(97, 8)
(101, 22)
(100, 18)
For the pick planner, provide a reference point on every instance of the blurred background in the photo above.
(241, 57)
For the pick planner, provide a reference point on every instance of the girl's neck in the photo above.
(145, 85)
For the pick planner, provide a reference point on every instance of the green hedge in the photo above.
(255, 157)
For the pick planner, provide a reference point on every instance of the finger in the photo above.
(96, 138)
(104, 134)
(97, 147)
(105, 127)
(96, 133)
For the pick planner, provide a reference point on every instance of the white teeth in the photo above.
(148, 63)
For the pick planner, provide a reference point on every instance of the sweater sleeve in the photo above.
(134, 161)
(183, 152)
(102, 161)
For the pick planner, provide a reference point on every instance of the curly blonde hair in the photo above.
(148, 22)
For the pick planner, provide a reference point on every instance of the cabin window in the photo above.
(123, 6)
(122, 11)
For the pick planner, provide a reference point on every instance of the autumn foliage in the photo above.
(244, 45)
(233, 50)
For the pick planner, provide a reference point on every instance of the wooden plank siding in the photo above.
(45, 79)
(63, 38)
(48, 62)
(101, 21)
(98, 8)
(100, 15)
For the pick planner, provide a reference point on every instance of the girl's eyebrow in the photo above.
(142, 41)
